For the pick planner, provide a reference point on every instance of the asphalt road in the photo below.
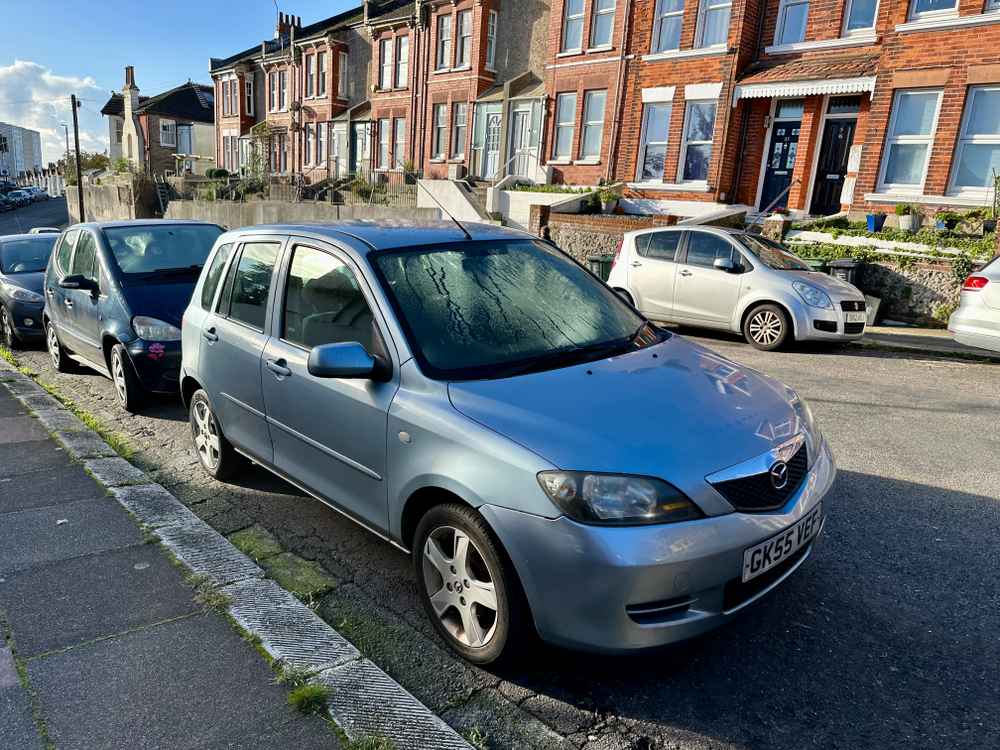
(886, 638)
(50, 213)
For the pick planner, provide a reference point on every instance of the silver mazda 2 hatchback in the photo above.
(554, 463)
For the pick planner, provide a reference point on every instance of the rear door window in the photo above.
(703, 249)
(661, 246)
(251, 283)
(85, 257)
(65, 250)
(213, 275)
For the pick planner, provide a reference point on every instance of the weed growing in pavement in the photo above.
(8, 355)
(374, 742)
(207, 594)
(293, 677)
(476, 737)
(310, 698)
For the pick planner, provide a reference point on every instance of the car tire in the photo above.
(215, 454)
(131, 394)
(8, 336)
(767, 328)
(58, 355)
(493, 625)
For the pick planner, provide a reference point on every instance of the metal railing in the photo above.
(376, 187)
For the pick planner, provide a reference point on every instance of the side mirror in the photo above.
(725, 264)
(345, 360)
(78, 281)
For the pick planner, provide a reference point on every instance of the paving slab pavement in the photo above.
(927, 340)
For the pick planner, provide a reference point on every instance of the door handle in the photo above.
(636, 264)
(685, 272)
(210, 335)
(278, 368)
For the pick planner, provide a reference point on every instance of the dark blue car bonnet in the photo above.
(156, 299)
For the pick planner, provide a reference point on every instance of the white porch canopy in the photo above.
(768, 89)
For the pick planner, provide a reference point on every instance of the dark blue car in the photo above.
(114, 297)
(23, 258)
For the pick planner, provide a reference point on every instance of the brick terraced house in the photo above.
(815, 106)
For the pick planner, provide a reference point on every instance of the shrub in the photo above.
(903, 209)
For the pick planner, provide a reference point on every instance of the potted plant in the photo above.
(907, 217)
(947, 220)
(876, 220)
(608, 198)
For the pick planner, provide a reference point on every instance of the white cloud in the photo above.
(35, 97)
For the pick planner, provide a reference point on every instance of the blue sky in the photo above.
(83, 48)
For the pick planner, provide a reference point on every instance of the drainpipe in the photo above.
(619, 95)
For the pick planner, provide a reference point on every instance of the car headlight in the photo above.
(26, 295)
(806, 418)
(152, 329)
(811, 295)
(617, 500)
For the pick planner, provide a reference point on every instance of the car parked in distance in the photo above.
(19, 197)
(115, 293)
(734, 281)
(23, 258)
(553, 462)
(44, 230)
(976, 322)
(6, 204)
(37, 194)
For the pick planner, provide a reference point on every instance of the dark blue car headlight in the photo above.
(21, 294)
(153, 329)
(617, 499)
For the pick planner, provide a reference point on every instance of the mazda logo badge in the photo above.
(779, 475)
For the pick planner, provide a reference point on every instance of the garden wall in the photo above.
(232, 215)
(112, 202)
(583, 235)
(920, 292)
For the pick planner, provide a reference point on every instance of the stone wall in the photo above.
(912, 293)
(583, 235)
(136, 200)
(232, 215)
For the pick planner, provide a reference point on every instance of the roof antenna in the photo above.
(444, 210)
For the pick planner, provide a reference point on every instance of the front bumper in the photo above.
(817, 324)
(27, 319)
(157, 363)
(582, 581)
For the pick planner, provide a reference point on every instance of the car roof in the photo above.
(368, 236)
(139, 223)
(687, 227)
(26, 236)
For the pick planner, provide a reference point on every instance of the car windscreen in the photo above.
(772, 254)
(151, 249)
(492, 309)
(26, 255)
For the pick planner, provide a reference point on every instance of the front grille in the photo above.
(851, 328)
(852, 306)
(829, 326)
(755, 494)
(736, 592)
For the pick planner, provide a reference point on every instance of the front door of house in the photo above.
(831, 169)
(491, 146)
(521, 143)
(360, 148)
(780, 164)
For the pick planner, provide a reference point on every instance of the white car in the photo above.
(976, 322)
(735, 281)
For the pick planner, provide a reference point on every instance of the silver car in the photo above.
(735, 281)
(554, 463)
(976, 322)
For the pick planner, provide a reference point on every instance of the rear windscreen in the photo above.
(153, 248)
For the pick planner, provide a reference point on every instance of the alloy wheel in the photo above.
(118, 375)
(55, 353)
(765, 327)
(460, 584)
(206, 436)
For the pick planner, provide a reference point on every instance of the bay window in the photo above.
(565, 124)
(909, 139)
(282, 90)
(977, 158)
(385, 64)
(713, 23)
(440, 131)
(402, 61)
(444, 42)
(653, 145)
(593, 124)
(249, 94)
(309, 62)
(459, 123)
(696, 147)
(398, 143)
(320, 144)
(307, 150)
(321, 74)
(667, 25)
(342, 75)
(272, 91)
(464, 52)
(384, 133)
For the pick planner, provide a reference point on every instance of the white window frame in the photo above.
(398, 142)
(249, 92)
(915, 15)
(307, 144)
(386, 67)
(168, 127)
(384, 143)
(459, 122)
(658, 26)
(402, 72)
(891, 139)
(647, 110)
(439, 131)
(965, 139)
(225, 98)
(779, 28)
(321, 74)
(865, 30)
(272, 91)
(578, 17)
(463, 50)
(597, 12)
(320, 158)
(309, 63)
(443, 51)
(283, 90)
(342, 75)
(685, 142)
(491, 40)
(564, 125)
(704, 6)
(585, 125)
